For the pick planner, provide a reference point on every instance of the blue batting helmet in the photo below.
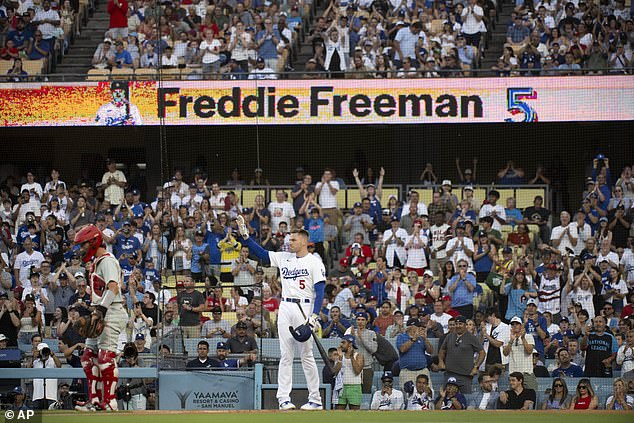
(301, 333)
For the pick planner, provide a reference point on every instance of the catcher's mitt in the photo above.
(91, 326)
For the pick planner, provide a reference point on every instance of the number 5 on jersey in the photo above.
(302, 284)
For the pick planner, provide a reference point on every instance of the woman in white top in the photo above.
(180, 250)
(625, 354)
(416, 245)
(335, 57)
(582, 292)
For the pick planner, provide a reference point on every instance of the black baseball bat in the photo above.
(322, 350)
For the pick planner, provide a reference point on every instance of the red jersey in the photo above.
(583, 403)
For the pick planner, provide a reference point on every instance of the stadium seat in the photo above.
(425, 195)
(122, 74)
(524, 196)
(98, 75)
(170, 74)
(436, 26)
(248, 196)
(504, 194)
(341, 199)
(352, 196)
(386, 194)
(5, 66)
(480, 194)
(33, 67)
(144, 74)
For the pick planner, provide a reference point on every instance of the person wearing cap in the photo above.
(241, 342)
(494, 334)
(450, 397)
(19, 399)
(388, 398)
(538, 215)
(25, 261)
(460, 247)
(222, 362)
(199, 255)
(366, 339)
(345, 299)
(359, 223)
(457, 353)
(519, 350)
(535, 324)
(217, 327)
(347, 391)
(413, 347)
(336, 325)
(44, 390)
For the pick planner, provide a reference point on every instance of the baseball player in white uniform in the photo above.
(303, 280)
(119, 112)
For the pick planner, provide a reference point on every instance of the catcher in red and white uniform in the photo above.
(103, 326)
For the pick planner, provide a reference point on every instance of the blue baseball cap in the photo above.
(139, 337)
(350, 339)
(222, 346)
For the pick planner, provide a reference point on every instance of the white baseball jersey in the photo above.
(488, 209)
(111, 115)
(386, 402)
(419, 402)
(549, 294)
(106, 269)
(299, 274)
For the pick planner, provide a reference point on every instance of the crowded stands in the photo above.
(196, 39)
(416, 277)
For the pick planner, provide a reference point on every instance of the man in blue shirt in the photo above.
(212, 238)
(535, 325)
(127, 245)
(315, 227)
(336, 326)
(566, 367)
(122, 58)
(461, 287)
(200, 256)
(412, 346)
(224, 363)
(267, 41)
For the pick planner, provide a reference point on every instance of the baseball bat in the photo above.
(322, 350)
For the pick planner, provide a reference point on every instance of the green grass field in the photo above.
(341, 417)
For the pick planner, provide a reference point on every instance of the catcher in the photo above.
(103, 326)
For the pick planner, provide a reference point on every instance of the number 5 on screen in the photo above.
(516, 107)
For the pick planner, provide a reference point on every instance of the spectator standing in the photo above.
(326, 190)
(368, 345)
(519, 349)
(461, 287)
(118, 11)
(472, 16)
(267, 41)
(191, 304)
(348, 379)
(413, 346)
(601, 348)
(456, 355)
(44, 390)
(47, 20)
(113, 183)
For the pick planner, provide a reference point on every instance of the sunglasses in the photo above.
(558, 385)
(462, 265)
(583, 387)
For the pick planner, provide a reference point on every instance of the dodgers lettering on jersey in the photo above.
(111, 115)
(299, 275)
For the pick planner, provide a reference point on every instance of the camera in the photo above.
(45, 353)
(130, 351)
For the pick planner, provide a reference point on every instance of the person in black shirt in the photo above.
(539, 370)
(9, 320)
(600, 347)
(202, 361)
(149, 308)
(518, 397)
(191, 304)
(538, 215)
(241, 343)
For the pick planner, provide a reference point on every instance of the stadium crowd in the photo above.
(458, 287)
(350, 39)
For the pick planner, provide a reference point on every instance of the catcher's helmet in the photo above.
(301, 333)
(92, 235)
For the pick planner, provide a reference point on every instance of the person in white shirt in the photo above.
(423, 396)
(25, 261)
(388, 398)
(494, 334)
(460, 247)
(472, 16)
(439, 316)
(34, 189)
(564, 237)
(261, 71)
(281, 211)
(44, 390)
(494, 210)
(113, 182)
(405, 42)
(606, 254)
(47, 20)
(326, 190)
(169, 59)
(395, 239)
(210, 52)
